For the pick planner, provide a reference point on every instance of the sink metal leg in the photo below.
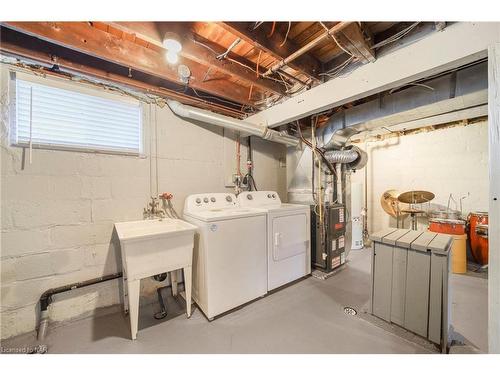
(173, 280)
(187, 286)
(133, 298)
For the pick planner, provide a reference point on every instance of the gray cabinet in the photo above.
(410, 281)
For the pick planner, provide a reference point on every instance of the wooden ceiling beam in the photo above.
(82, 37)
(305, 64)
(193, 51)
(354, 41)
(41, 54)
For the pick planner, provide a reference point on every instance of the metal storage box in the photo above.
(410, 273)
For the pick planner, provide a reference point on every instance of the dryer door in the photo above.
(289, 255)
(290, 236)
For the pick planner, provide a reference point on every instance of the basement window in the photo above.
(55, 114)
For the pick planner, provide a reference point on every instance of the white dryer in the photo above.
(288, 236)
(229, 258)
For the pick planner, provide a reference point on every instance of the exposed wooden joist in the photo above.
(307, 47)
(150, 32)
(400, 66)
(39, 52)
(84, 38)
(355, 42)
(305, 64)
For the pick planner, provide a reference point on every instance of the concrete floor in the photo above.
(306, 317)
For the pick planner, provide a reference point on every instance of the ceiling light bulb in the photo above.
(172, 57)
(171, 42)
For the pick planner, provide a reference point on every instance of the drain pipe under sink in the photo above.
(46, 299)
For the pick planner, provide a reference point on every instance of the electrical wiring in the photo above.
(283, 80)
(321, 152)
(450, 71)
(250, 181)
(223, 55)
(396, 36)
(266, 102)
(412, 84)
(234, 61)
(334, 72)
(252, 69)
(256, 71)
(286, 35)
(250, 93)
(272, 30)
(298, 90)
(335, 39)
(257, 24)
(211, 97)
(258, 62)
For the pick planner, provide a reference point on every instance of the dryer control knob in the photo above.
(274, 195)
(212, 199)
(269, 195)
(198, 200)
(249, 197)
(205, 200)
(229, 198)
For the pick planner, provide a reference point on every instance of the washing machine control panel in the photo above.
(199, 202)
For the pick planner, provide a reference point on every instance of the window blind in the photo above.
(70, 119)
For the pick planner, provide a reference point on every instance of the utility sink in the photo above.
(152, 247)
(141, 229)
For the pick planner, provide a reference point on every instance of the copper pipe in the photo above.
(313, 43)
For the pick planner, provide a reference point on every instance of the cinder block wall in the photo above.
(452, 160)
(57, 213)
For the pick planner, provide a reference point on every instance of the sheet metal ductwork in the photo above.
(244, 127)
(340, 138)
(352, 156)
(454, 91)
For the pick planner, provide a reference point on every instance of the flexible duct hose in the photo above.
(344, 156)
(353, 157)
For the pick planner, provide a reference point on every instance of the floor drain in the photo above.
(350, 311)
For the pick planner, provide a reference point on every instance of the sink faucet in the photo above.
(153, 211)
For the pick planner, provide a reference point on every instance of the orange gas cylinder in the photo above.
(478, 234)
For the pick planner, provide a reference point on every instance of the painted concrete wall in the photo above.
(57, 214)
(453, 160)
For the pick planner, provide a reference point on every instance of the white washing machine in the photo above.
(288, 236)
(229, 258)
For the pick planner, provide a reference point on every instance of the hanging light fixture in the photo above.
(173, 46)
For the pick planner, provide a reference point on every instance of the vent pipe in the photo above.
(244, 127)
(352, 156)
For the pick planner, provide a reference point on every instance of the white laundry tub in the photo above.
(151, 247)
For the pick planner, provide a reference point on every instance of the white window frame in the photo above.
(76, 87)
